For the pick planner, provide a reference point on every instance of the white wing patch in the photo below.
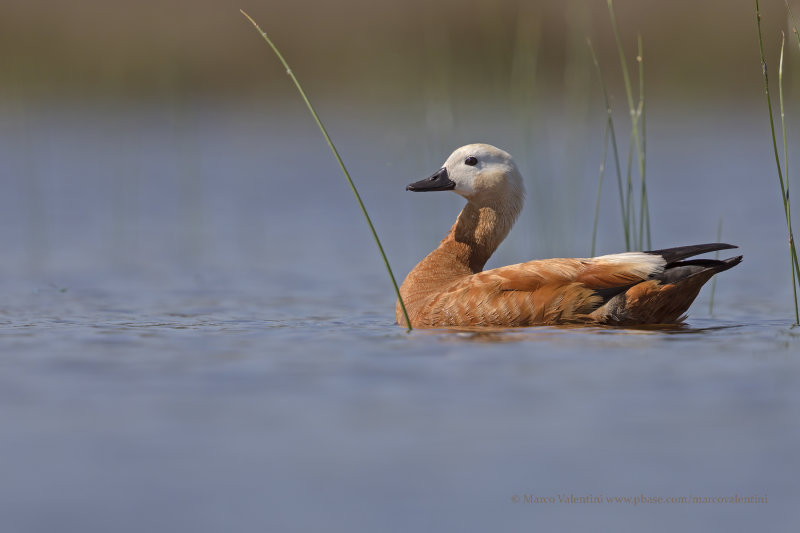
(639, 263)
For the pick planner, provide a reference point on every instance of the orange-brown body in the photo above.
(449, 288)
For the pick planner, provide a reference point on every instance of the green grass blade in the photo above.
(339, 159)
(635, 140)
(794, 23)
(629, 223)
(630, 214)
(599, 189)
(782, 112)
(644, 217)
(795, 266)
(623, 60)
(787, 205)
(784, 189)
(610, 132)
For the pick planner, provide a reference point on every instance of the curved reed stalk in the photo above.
(339, 159)
(637, 235)
(608, 133)
(784, 185)
(638, 142)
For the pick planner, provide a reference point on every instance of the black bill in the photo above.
(437, 182)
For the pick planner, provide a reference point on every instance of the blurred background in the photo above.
(166, 133)
(172, 50)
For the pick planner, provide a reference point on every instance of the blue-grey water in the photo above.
(196, 333)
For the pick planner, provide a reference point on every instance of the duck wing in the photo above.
(627, 288)
(549, 291)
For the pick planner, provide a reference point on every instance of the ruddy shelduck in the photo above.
(449, 288)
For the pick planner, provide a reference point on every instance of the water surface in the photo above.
(197, 335)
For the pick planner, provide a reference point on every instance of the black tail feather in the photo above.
(672, 255)
(681, 270)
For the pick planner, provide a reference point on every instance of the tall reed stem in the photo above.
(794, 22)
(341, 164)
(609, 132)
(644, 218)
(783, 185)
(788, 207)
(637, 143)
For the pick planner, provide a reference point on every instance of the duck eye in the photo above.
(471, 161)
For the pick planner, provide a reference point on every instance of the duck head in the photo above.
(481, 173)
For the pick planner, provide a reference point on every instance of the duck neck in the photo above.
(478, 231)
